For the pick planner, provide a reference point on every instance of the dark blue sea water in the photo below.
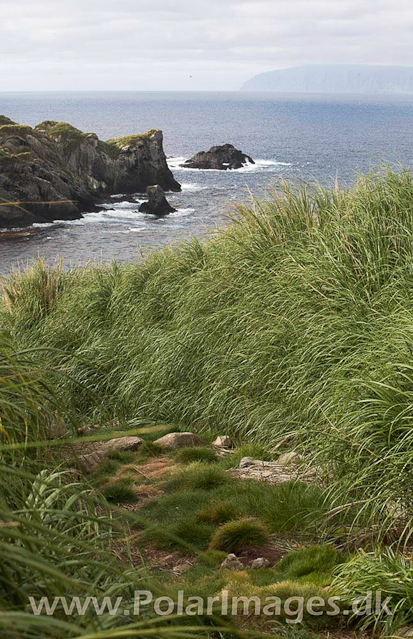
(294, 137)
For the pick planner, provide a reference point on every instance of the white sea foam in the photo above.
(80, 222)
(259, 165)
(131, 229)
(111, 216)
(125, 206)
(41, 225)
(192, 186)
(118, 211)
(121, 216)
(182, 212)
(35, 225)
(174, 163)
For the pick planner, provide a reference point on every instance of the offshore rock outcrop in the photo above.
(157, 203)
(54, 171)
(222, 158)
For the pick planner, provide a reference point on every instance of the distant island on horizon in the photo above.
(340, 78)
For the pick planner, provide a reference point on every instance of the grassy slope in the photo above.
(294, 320)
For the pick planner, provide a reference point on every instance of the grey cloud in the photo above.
(133, 44)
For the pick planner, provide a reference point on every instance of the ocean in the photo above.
(292, 137)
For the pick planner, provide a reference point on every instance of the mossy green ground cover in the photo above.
(134, 139)
(5, 120)
(200, 509)
(73, 137)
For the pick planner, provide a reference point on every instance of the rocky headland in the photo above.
(55, 171)
(223, 158)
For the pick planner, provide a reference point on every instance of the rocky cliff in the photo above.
(55, 171)
(335, 78)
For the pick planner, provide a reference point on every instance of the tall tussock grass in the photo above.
(57, 536)
(294, 320)
(40, 287)
(382, 571)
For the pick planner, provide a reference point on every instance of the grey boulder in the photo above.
(173, 441)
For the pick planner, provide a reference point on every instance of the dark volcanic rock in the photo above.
(31, 175)
(141, 163)
(157, 203)
(55, 171)
(219, 157)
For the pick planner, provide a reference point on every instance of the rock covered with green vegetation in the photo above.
(55, 171)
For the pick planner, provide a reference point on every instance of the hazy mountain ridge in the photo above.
(357, 78)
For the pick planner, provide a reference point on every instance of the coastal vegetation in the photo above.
(5, 120)
(289, 330)
(67, 135)
(128, 140)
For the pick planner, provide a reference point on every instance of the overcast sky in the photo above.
(190, 44)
